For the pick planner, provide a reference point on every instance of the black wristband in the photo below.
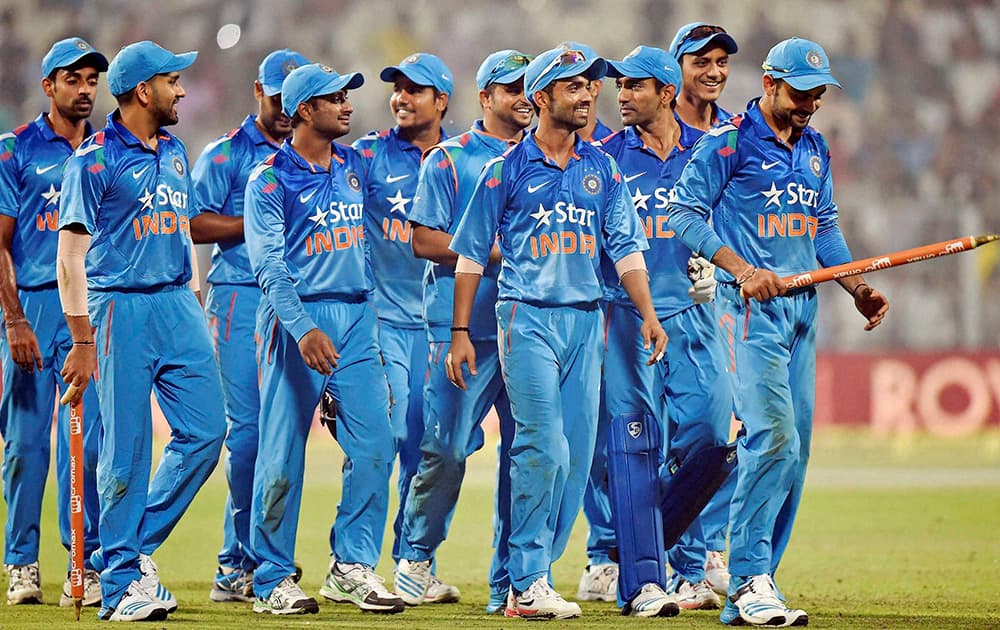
(464, 329)
(83, 343)
(854, 293)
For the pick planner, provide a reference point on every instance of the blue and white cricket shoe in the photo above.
(150, 581)
(135, 605)
(755, 602)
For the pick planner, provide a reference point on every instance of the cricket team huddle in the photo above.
(615, 296)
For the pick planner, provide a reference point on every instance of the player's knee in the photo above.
(274, 502)
(113, 488)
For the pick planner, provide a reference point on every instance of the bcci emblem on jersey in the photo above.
(353, 181)
(634, 429)
(592, 183)
(178, 166)
(815, 165)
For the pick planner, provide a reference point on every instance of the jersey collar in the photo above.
(49, 135)
(336, 154)
(249, 127)
(535, 154)
(128, 138)
(762, 129)
(489, 138)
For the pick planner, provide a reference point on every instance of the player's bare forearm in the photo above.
(462, 350)
(759, 284)
(636, 285)
(23, 344)
(431, 244)
(209, 227)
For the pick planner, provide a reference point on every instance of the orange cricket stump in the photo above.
(76, 504)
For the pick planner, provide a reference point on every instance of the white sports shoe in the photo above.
(717, 573)
(412, 580)
(135, 605)
(286, 599)
(91, 590)
(441, 593)
(758, 605)
(359, 585)
(541, 601)
(694, 596)
(599, 583)
(651, 601)
(25, 584)
(150, 582)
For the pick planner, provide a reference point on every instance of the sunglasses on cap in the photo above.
(701, 32)
(567, 58)
(511, 63)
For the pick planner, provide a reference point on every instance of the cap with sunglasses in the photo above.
(697, 36)
(503, 66)
(561, 63)
(647, 62)
(314, 79)
(801, 63)
(423, 69)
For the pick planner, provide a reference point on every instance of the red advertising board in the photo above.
(942, 393)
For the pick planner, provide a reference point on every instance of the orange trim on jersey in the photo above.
(274, 340)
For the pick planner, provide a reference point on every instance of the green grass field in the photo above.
(893, 533)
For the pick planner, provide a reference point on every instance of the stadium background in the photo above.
(914, 135)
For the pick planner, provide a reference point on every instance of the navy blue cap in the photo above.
(66, 52)
(561, 63)
(685, 44)
(276, 66)
(647, 62)
(801, 63)
(503, 66)
(314, 79)
(142, 61)
(423, 69)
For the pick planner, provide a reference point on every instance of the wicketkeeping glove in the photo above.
(702, 276)
(328, 413)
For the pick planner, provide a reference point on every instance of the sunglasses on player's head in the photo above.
(567, 58)
(510, 63)
(701, 32)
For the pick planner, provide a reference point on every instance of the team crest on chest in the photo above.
(353, 181)
(178, 165)
(815, 165)
(591, 183)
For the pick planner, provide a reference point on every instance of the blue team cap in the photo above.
(423, 69)
(801, 63)
(67, 52)
(314, 79)
(276, 66)
(142, 61)
(503, 66)
(696, 36)
(562, 62)
(645, 62)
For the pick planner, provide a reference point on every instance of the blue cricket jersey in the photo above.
(447, 178)
(690, 135)
(649, 180)
(133, 200)
(552, 224)
(305, 233)
(601, 131)
(391, 167)
(31, 167)
(218, 183)
(770, 202)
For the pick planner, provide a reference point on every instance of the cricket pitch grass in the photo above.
(893, 532)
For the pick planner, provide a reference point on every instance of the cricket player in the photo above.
(764, 180)
(317, 330)
(594, 130)
(37, 338)
(125, 246)
(421, 87)
(452, 417)
(555, 204)
(219, 180)
(702, 50)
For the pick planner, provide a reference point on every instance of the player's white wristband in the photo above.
(467, 265)
(71, 272)
(630, 262)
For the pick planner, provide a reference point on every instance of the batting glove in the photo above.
(702, 276)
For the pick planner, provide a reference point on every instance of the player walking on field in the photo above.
(317, 330)
(556, 204)
(452, 417)
(37, 339)
(123, 220)
(699, 566)
(764, 180)
(421, 87)
(219, 180)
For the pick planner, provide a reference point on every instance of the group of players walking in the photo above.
(408, 284)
